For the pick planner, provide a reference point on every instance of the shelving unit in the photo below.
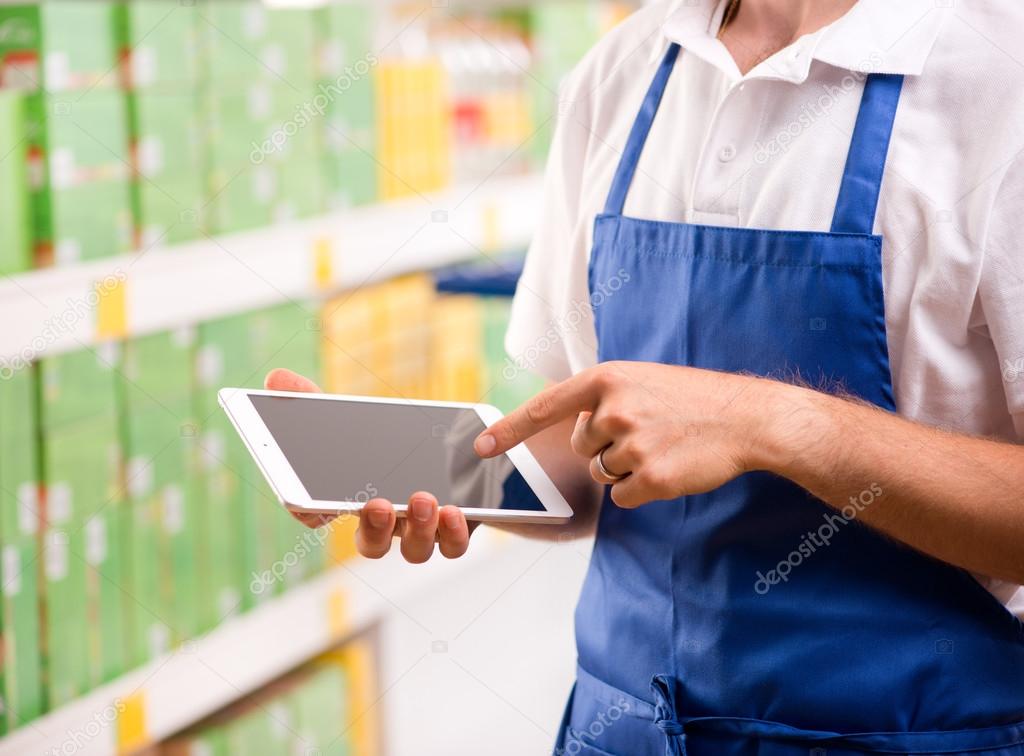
(243, 654)
(161, 288)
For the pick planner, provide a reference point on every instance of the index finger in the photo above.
(550, 406)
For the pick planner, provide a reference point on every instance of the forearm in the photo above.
(955, 497)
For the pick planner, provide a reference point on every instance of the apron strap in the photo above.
(865, 163)
(638, 135)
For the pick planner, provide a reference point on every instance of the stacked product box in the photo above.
(377, 339)
(15, 217)
(83, 528)
(161, 69)
(413, 127)
(316, 710)
(456, 367)
(21, 665)
(164, 502)
(508, 383)
(64, 54)
(345, 94)
(261, 148)
(562, 34)
(284, 336)
(251, 547)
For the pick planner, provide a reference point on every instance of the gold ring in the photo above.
(604, 470)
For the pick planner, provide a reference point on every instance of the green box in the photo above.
(220, 358)
(160, 40)
(59, 45)
(243, 41)
(239, 351)
(160, 437)
(158, 366)
(302, 192)
(166, 135)
(82, 591)
(508, 385)
(79, 175)
(15, 210)
(85, 222)
(78, 385)
(350, 178)
(259, 121)
(322, 701)
(348, 139)
(244, 199)
(173, 212)
(20, 518)
(344, 37)
(83, 137)
(161, 543)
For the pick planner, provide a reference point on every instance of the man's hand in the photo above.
(424, 524)
(670, 430)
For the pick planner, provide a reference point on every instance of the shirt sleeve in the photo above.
(1001, 289)
(551, 330)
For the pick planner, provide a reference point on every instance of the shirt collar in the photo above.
(875, 36)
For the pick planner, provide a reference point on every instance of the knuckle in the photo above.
(615, 420)
(450, 550)
(539, 409)
(414, 554)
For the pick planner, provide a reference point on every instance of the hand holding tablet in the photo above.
(324, 455)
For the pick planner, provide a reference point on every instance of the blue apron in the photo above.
(754, 620)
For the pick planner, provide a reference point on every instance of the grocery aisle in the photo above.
(190, 195)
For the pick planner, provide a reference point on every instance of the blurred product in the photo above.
(20, 518)
(59, 45)
(15, 214)
(345, 95)
(163, 494)
(79, 175)
(84, 522)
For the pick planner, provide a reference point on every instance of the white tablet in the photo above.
(328, 453)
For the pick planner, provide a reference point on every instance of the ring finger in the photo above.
(608, 466)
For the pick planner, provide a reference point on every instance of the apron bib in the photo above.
(754, 620)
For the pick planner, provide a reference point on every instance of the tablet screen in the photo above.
(356, 451)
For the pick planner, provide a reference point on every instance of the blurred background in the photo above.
(192, 193)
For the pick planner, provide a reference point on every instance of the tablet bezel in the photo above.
(293, 495)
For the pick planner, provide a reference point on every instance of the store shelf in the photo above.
(62, 309)
(238, 657)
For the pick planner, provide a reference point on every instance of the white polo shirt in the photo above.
(767, 149)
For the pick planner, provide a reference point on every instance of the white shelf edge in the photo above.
(55, 310)
(244, 653)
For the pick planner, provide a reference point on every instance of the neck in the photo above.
(763, 27)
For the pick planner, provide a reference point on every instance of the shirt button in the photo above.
(727, 153)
